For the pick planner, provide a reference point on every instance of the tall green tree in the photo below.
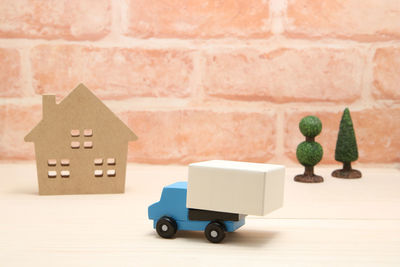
(309, 152)
(346, 148)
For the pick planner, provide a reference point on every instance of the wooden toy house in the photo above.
(80, 145)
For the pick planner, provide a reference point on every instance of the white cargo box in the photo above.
(235, 187)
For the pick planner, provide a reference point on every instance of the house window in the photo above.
(111, 161)
(64, 162)
(88, 132)
(52, 174)
(111, 173)
(65, 174)
(88, 144)
(98, 173)
(51, 162)
(75, 145)
(98, 161)
(75, 133)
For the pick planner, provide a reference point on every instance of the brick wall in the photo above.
(202, 79)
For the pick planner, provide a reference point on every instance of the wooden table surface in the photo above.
(336, 223)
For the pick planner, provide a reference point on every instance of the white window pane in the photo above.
(52, 174)
(111, 173)
(75, 133)
(64, 162)
(111, 161)
(88, 132)
(98, 161)
(51, 162)
(98, 173)
(75, 144)
(65, 174)
(88, 144)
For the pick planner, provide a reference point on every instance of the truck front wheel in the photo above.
(215, 232)
(166, 227)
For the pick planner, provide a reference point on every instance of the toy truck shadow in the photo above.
(217, 198)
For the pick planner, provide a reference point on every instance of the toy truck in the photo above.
(217, 197)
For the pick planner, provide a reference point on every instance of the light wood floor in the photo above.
(336, 223)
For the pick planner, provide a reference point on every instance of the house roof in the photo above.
(81, 101)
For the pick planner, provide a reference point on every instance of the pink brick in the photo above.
(377, 132)
(387, 73)
(183, 136)
(10, 73)
(17, 121)
(378, 135)
(112, 72)
(198, 18)
(313, 74)
(50, 19)
(356, 19)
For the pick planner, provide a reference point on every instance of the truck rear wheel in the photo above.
(215, 232)
(166, 227)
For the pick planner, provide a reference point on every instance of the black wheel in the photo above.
(215, 232)
(166, 227)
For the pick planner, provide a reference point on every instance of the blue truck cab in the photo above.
(171, 214)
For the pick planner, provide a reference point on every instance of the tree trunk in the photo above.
(310, 139)
(309, 171)
(347, 166)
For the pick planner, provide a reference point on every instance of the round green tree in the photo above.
(310, 126)
(346, 148)
(309, 152)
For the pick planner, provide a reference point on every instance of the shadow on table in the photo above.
(247, 238)
(21, 191)
(251, 238)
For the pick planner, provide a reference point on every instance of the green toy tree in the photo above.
(346, 148)
(309, 152)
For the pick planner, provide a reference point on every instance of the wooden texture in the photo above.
(88, 137)
(335, 223)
